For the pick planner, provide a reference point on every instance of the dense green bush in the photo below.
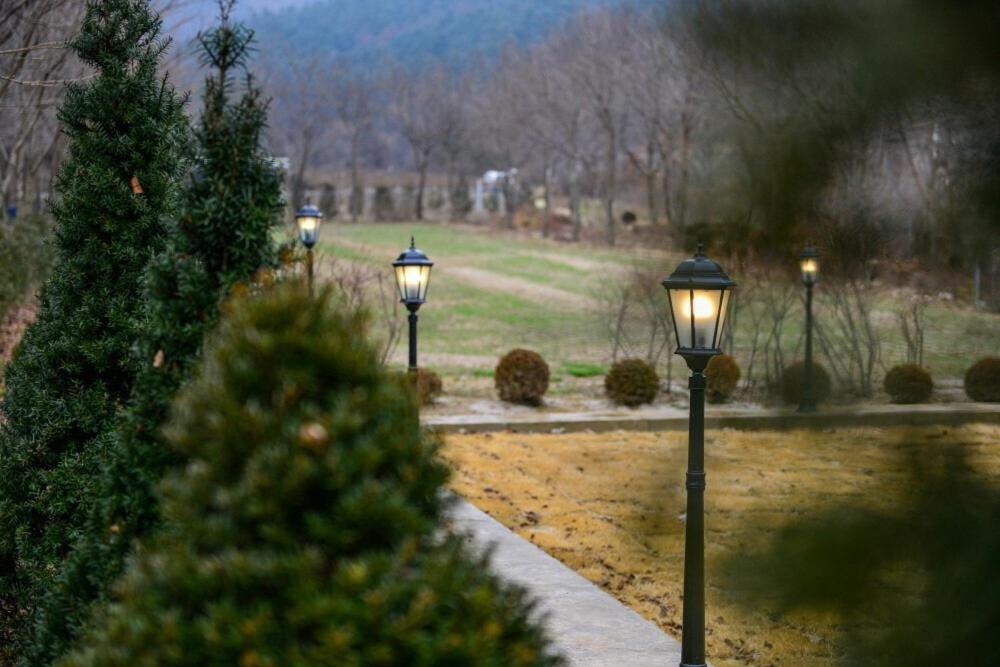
(723, 377)
(428, 385)
(792, 380)
(222, 237)
(76, 365)
(908, 383)
(304, 528)
(982, 381)
(632, 382)
(522, 376)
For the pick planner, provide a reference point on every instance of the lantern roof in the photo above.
(810, 252)
(699, 272)
(308, 211)
(413, 256)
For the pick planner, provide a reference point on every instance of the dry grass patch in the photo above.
(611, 506)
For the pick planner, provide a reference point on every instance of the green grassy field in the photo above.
(492, 291)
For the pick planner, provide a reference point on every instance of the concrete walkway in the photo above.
(671, 418)
(589, 627)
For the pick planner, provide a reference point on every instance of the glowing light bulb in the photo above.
(809, 266)
(703, 307)
(411, 276)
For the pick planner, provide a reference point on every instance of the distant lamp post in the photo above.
(699, 292)
(308, 219)
(413, 274)
(809, 265)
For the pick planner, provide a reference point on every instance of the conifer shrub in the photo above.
(303, 530)
(221, 239)
(522, 376)
(723, 377)
(793, 379)
(632, 382)
(75, 367)
(982, 380)
(428, 385)
(908, 383)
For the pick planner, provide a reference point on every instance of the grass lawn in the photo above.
(492, 291)
(610, 506)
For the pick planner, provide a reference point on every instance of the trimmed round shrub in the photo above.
(428, 385)
(908, 383)
(982, 381)
(305, 527)
(723, 377)
(632, 382)
(522, 376)
(793, 379)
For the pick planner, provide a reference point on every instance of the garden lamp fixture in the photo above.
(308, 219)
(809, 266)
(699, 292)
(413, 274)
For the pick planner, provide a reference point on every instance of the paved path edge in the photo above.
(588, 626)
(770, 420)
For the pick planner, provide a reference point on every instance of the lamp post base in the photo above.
(694, 664)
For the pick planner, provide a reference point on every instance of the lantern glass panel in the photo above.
(810, 270)
(412, 281)
(308, 229)
(700, 315)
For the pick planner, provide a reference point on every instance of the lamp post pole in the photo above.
(693, 633)
(809, 265)
(808, 403)
(308, 219)
(699, 292)
(413, 272)
(309, 270)
(412, 307)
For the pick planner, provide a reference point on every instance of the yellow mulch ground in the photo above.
(611, 506)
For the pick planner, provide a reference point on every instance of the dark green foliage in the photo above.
(522, 376)
(982, 381)
(222, 237)
(908, 383)
(793, 378)
(632, 382)
(25, 258)
(917, 585)
(428, 385)
(723, 377)
(303, 529)
(76, 365)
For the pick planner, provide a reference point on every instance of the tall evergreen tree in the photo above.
(76, 366)
(222, 237)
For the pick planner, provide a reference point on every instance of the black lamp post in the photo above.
(699, 292)
(809, 265)
(308, 219)
(413, 273)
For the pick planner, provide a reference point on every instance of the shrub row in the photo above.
(522, 377)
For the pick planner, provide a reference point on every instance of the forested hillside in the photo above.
(414, 31)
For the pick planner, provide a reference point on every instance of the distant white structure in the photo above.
(497, 185)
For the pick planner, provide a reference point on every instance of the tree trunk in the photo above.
(421, 184)
(357, 194)
(610, 187)
(574, 202)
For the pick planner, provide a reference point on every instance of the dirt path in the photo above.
(525, 288)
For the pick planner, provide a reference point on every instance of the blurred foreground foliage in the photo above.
(838, 75)
(916, 585)
(304, 528)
